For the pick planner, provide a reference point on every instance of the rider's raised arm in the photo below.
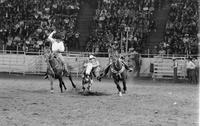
(50, 38)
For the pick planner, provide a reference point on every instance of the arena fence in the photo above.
(164, 68)
(33, 63)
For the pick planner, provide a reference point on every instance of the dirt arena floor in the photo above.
(26, 101)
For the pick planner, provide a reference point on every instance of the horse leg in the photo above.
(124, 82)
(63, 84)
(118, 86)
(70, 78)
(60, 84)
(51, 83)
(83, 87)
(124, 86)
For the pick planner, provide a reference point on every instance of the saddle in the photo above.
(59, 64)
(55, 65)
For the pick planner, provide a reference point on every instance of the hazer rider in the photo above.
(57, 46)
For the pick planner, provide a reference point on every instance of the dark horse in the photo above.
(55, 70)
(118, 73)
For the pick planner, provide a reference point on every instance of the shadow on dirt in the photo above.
(93, 93)
(42, 91)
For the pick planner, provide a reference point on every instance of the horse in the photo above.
(88, 74)
(55, 70)
(118, 73)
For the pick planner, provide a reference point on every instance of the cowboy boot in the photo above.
(130, 69)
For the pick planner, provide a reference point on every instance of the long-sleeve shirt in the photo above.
(95, 63)
(57, 45)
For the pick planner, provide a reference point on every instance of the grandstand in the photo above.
(154, 28)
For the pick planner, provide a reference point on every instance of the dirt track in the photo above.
(28, 102)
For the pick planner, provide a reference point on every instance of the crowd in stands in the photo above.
(25, 24)
(181, 28)
(121, 21)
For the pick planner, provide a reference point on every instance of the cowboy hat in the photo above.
(92, 57)
(58, 36)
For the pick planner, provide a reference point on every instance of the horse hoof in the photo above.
(120, 94)
(83, 90)
(52, 91)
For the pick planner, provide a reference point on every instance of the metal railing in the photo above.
(97, 54)
(33, 62)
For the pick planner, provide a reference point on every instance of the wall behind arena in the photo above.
(35, 64)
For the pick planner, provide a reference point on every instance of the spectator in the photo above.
(181, 28)
(32, 20)
(190, 70)
(114, 17)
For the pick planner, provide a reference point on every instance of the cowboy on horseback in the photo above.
(116, 54)
(57, 46)
(121, 59)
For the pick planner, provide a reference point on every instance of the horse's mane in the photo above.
(117, 64)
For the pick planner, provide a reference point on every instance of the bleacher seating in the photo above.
(112, 19)
(25, 24)
(181, 28)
